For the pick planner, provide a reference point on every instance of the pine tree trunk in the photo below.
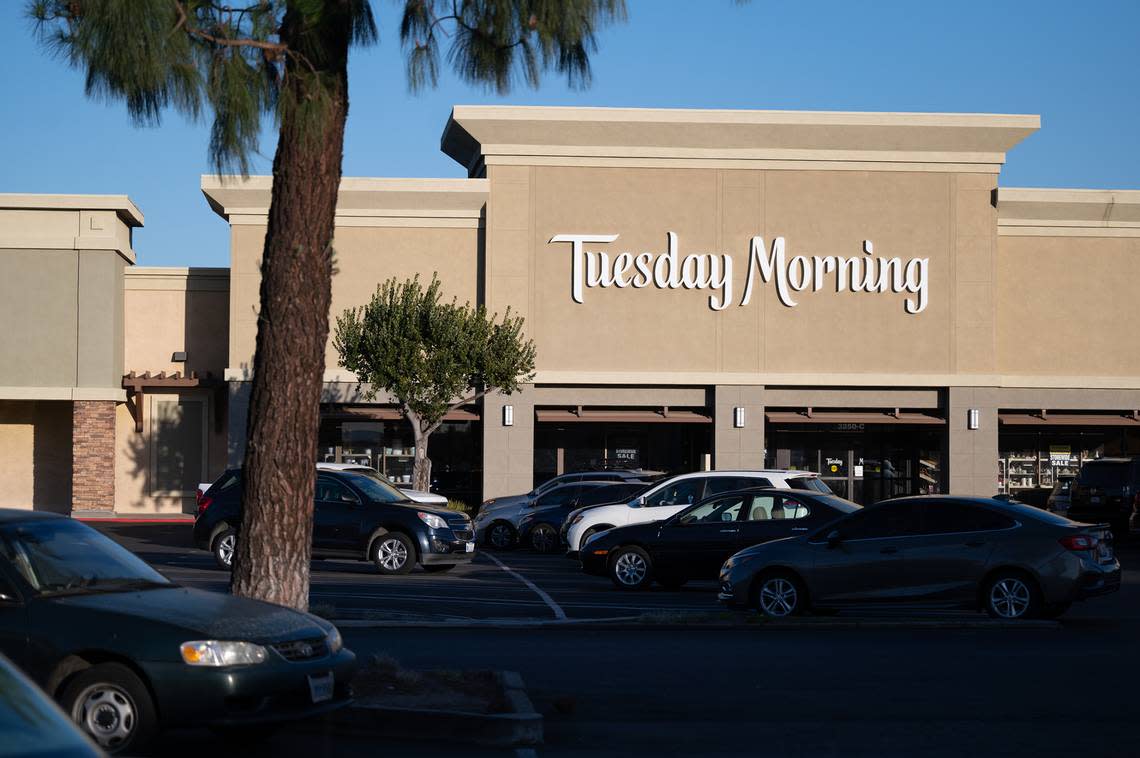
(273, 551)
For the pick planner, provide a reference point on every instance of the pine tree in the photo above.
(289, 59)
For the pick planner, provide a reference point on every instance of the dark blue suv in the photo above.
(354, 516)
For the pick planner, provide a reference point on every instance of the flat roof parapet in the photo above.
(476, 136)
(1033, 212)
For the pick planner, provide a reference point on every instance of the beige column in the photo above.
(508, 451)
(972, 459)
(93, 455)
(738, 448)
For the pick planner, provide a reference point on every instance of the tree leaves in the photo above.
(431, 355)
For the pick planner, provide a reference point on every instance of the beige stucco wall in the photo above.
(1067, 305)
(365, 256)
(945, 217)
(35, 455)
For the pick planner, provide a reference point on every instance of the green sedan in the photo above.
(126, 652)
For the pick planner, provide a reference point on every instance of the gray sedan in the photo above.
(1010, 559)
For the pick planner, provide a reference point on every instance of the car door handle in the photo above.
(729, 531)
(889, 550)
(799, 529)
(975, 543)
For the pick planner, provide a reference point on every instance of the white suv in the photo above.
(679, 492)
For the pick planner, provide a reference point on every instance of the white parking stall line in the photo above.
(558, 612)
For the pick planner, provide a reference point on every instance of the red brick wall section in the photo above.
(93, 455)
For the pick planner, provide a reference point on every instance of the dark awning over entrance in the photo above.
(646, 416)
(851, 417)
(1069, 419)
(386, 413)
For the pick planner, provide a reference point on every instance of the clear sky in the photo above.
(1074, 63)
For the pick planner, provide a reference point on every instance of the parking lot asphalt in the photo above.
(512, 587)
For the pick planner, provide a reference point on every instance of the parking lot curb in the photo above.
(636, 624)
(519, 726)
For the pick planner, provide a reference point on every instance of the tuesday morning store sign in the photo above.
(862, 272)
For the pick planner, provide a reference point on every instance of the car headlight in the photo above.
(334, 641)
(221, 653)
(576, 519)
(488, 502)
(432, 520)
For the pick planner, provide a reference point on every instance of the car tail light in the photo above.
(204, 503)
(1079, 542)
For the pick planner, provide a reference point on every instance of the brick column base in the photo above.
(93, 455)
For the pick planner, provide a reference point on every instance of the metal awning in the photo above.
(385, 413)
(629, 416)
(1131, 418)
(810, 416)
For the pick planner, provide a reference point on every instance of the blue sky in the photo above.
(1073, 63)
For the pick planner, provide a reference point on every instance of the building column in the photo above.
(738, 448)
(508, 451)
(93, 455)
(971, 458)
(237, 418)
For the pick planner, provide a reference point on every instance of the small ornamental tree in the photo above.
(431, 356)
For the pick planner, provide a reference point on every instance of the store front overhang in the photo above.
(633, 416)
(387, 413)
(852, 417)
(1131, 418)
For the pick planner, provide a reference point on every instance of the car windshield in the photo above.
(374, 489)
(61, 556)
(810, 484)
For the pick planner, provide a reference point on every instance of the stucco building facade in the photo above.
(851, 293)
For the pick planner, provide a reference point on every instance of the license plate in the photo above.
(469, 547)
(321, 687)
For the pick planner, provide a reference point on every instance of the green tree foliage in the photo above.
(431, 356)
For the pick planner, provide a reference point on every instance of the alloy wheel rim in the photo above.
(1010, 598)
(393, 555)
(542, 538)
(107, 713)
(500, 535)
(778, 597)
(226, 547)
(630, 569)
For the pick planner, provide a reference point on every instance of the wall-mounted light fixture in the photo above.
(738, 417)
(508, 415)
(179, 357)
(973, 418)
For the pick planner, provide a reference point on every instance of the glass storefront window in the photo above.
(1032, 460)
(673, 448)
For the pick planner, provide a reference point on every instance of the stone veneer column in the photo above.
(738, 448)
(972, 457)
(93, 455)
(508, 451)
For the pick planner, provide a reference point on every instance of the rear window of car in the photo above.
(809, 484)
(611, 493)
(225, 482)
(1107, 474)
(1021, 510)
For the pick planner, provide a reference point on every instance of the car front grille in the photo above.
(463, 534)
(301, 650)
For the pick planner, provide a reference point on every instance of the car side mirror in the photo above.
(638, 503)
(834, 538)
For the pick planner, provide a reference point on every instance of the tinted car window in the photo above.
(374, 489)
(226, 483)
(949, 518)
(610, 493)
(718, 484)
(893, 520)
(809, 484)
(1112, 474)
(331, 491)
(715, 511)
(561, 495)
(775, 508)
(680, 492)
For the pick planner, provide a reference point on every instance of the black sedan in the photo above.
(127, 652)
(541, 527)
(1009, 559)
(694, 543)
(354, 516)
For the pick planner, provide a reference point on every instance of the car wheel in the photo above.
(543, 538)
(631, 568)
(394, 553)
(225, 544)
(436, 568)
(112, 705)
(501, 536)
(1011, 595)
(780, 595)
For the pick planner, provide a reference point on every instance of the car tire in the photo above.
(437, 568)
(224, 547)
(779, 594)
(501, 536)
(112, 706)
(631, 568)
(393, 553)
(1011, 595)
(544, 539)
